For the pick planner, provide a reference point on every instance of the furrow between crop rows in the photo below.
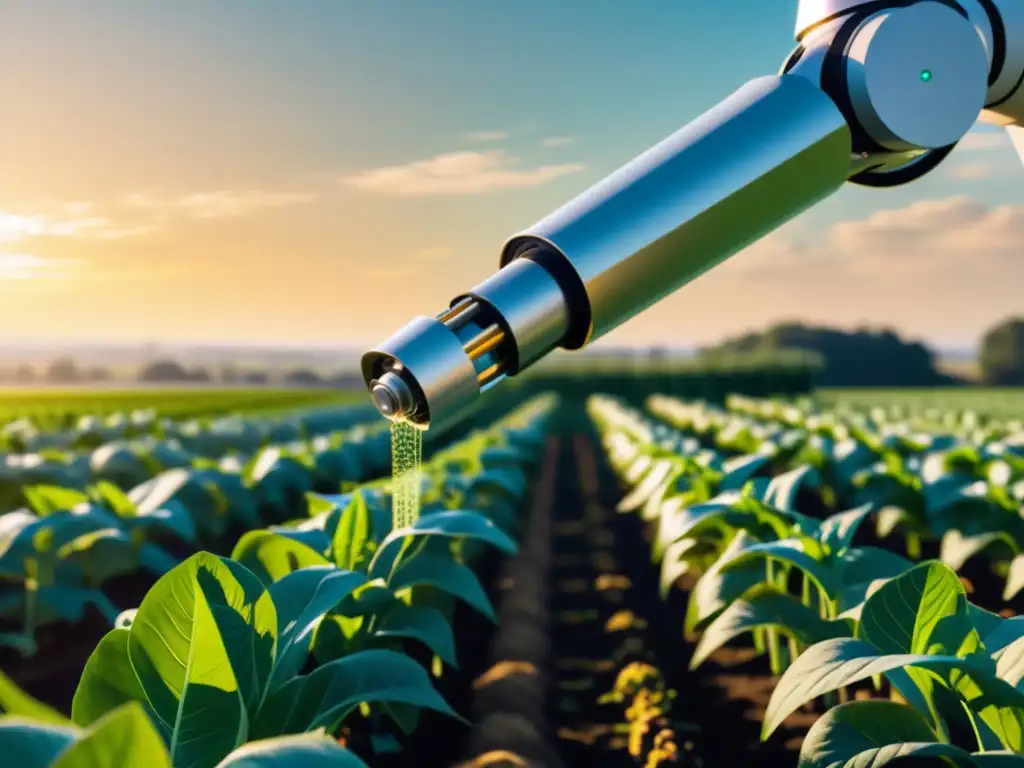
(510, 697)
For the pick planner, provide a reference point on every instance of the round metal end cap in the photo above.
(392, 397)
(386, 401)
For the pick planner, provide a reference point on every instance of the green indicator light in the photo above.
(926, 75)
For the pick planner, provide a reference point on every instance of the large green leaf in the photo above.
(675, 564)
(14, 701)
(1014, 579)
(959, 547)
(999, 635)
(203, 642)
(659, 473)
(420, 622)
(782, 491)
(859, 565)
(452, 524)
(925, 610)
(124, 737)
(828, 666)
(108, 680)
(837, 531)
(48, 499)
(792, 552)
(352, 545)
(429, 568)
(301, 599)
(763, 606)
(305, 750)
(921, 611)
(717, 587)
(1010, 663)
(325, 697)
(1000, 759)
(849, 729)
(836, 663)
(272, 555)
(914, 755)
(28, 744)
(738, 471)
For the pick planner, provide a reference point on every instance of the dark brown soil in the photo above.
(716, 717)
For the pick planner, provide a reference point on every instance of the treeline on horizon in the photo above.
(858, 358)
(64, 370)
(882, 358)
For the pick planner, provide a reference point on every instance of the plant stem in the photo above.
(774, 649)
(913, 545)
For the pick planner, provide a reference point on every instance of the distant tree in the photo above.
(860, 358)
(229, 374)
(163, 370)
(303, 377)
(346, 380)
(255, 378)
(63, 371)
(25, 374)
(97, 373)
(1001, 357)
(199, 374)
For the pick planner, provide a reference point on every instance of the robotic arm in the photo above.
(876, 93)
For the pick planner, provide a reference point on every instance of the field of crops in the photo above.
(1007, 404)
(56, 407)
(590, 581)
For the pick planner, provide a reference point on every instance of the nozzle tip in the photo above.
(385, 400)
(392, 397)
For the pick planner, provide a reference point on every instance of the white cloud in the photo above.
(944, 270)
(973, 171)
(227, 204)
(984, 140)
(459, 173)
(62, 221)
(26, 266)
(485, 136)
(219, 204)
(557, 141)
(930, 235)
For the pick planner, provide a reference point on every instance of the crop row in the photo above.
(298, 643)
(205, 434)
(763, 508)
(957, 491)
(76, 521)
(61, 408)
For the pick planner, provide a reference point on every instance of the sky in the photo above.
(321, 171)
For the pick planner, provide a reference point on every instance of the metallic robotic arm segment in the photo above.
(876, 91)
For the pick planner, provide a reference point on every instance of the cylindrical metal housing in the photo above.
(435, 367)
(1002, 21)
(431, 362)
(530, 307)
(774, 148)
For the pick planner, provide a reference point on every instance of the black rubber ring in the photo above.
(1010, 95)
(995, 21)
(835, 84)
(794, 58)
(904, 174)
